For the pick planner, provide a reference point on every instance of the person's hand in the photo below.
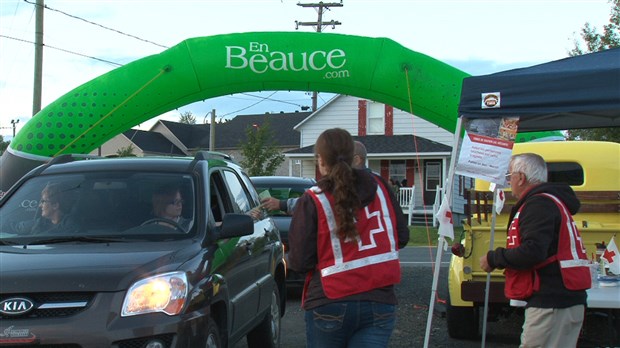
(270, 203)
(484, 264)
(256, 213)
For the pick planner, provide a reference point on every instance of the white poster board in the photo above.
(486, 148)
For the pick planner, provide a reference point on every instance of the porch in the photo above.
(418, 214)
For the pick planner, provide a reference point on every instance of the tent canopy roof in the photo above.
(576, 92)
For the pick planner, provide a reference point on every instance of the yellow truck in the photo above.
(593, 171)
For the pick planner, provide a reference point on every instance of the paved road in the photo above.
(414, 298)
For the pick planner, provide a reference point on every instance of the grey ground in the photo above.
(414, 296)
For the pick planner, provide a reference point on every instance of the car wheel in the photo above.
(463, 322)
(267, 333)
(213, 335)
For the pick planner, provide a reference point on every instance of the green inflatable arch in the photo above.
(201, 68)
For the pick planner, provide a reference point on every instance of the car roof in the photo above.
(158, 164)
(282, 180)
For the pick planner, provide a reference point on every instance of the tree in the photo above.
(602, 134)
(261, 157)
(595, 42)
(3, 145)
(187, 117)
(126, 151)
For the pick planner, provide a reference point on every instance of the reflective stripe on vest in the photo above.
(339, 264)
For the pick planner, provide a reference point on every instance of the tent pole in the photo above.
(488, 281)
(447, 189)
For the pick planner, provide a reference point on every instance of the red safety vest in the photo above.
(356, 266)
(571, 255)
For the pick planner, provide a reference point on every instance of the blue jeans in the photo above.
(355, 324)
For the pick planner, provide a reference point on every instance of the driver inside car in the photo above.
(168, 207)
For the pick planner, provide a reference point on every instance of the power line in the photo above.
(151, 42)
(64, 50)
(247, 107)
(275, 100)
(100, 25)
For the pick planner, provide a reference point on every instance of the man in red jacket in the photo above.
(554, 314)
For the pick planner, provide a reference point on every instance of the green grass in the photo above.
(421, 236)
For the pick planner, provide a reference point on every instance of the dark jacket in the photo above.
(66, 225)
(302, 236)
(539, 227)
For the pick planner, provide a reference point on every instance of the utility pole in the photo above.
(14, 123)
(321, 7)
(38, 58)
(212, 132)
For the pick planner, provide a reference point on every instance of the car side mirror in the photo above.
(236, 225)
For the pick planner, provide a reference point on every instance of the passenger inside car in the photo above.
(56, 203)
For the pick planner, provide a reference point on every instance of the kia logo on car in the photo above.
(16, 306)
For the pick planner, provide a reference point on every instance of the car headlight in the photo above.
(165, 293)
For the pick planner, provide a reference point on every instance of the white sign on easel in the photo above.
(486, 148)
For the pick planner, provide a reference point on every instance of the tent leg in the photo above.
(488, 281)
(440, 243)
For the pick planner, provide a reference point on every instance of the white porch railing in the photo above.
(407, 201)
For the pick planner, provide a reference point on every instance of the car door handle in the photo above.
(248, 247)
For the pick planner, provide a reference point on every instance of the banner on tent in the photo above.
(486, 148)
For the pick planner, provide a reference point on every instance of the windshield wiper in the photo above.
(76, 239)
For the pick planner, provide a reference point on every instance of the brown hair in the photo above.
(336, 149)
(61, 194)
(162, 197)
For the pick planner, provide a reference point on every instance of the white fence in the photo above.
(407, 201)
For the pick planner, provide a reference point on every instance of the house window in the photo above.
(376, 115)
(398, 170)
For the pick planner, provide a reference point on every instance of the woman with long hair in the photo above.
(345, 235)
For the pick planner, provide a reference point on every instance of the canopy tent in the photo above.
(572, 93)
(575, 92)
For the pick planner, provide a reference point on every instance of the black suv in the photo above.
(138, 252)
(283, 188)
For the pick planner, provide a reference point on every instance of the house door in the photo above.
(432, 178)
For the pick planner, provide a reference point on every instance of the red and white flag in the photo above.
(500, 198)
(612, 256)
(444, 217)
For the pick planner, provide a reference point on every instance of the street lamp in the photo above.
(14, 123)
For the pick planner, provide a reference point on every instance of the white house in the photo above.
(400, 146)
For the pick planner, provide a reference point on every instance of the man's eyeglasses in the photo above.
(509, 175)
(43, 201)
(177, 202)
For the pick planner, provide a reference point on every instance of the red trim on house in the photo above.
(389, 120)
(410, 172)
(362, 111)
(385, 169)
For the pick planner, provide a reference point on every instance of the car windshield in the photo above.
(109, 205)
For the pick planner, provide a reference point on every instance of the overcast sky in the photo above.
(478, 37)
